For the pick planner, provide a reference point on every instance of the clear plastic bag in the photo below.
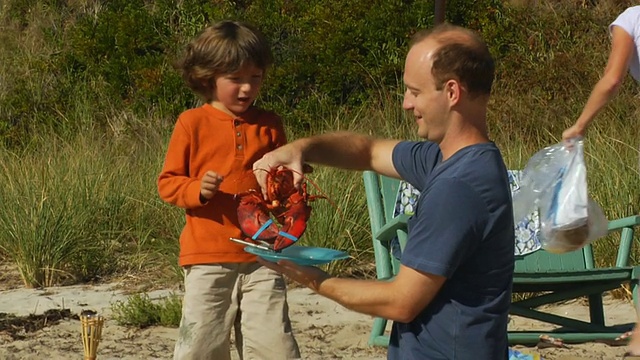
(555, 183)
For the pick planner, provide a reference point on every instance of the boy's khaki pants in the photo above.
(247, 295)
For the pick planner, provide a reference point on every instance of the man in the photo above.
(450, 299)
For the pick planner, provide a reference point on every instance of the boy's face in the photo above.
(235, 92)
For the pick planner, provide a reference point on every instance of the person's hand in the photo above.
(309, 276)
(575, 131)
(209, 185)
(289, 156)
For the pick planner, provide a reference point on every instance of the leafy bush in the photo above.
(140, 311)
(119, 53)
(347, 51)
(124, 44)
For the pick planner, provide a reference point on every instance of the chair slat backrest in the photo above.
(543, 261)
(382, 193)
(374, 200)
(389, 194)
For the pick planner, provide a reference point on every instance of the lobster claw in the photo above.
(283, 241)
(254, 219)
(294, 221)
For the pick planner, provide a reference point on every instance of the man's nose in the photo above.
(407, 102)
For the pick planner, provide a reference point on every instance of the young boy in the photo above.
(209, 159)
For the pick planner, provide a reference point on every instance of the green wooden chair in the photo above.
(549, 277)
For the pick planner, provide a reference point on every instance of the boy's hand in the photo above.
(209, 185)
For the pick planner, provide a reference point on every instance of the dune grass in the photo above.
(81, 204)
(86, 207)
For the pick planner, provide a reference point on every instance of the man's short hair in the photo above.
(462, 55)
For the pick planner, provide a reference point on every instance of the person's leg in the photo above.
(237, 327)
(265, 325)
(634, 341)
(208, 312)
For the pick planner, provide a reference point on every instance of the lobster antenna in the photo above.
(322, 193)
(315, 186)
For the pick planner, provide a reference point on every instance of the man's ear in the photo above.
(453, 90)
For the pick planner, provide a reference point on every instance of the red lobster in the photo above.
(288, 204)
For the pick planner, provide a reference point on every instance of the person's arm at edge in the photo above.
(400, 299)
(609, 84)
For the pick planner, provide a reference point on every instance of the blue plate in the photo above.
(301, 255)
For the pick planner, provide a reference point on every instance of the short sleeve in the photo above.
(628, 20)
(415, 160)
(446, 229)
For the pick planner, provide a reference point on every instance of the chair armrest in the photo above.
(389, 230)
(626, 225)
(630, 221)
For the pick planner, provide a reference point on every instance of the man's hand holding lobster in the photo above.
(209, 185)
(289, 156)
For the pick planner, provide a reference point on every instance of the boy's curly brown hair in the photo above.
(222, 48)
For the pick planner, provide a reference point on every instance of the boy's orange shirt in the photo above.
(205, 139)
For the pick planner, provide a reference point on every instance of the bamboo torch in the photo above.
(91, 333)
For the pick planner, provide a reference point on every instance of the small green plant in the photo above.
(141, 311)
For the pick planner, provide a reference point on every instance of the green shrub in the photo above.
(141, 312)
(347, 51)
(124, 44)
(119, 54)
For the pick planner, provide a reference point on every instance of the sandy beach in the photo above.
(324, 329)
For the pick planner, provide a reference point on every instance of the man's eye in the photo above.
(411, 92)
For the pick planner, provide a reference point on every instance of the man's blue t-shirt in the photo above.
(463, 230)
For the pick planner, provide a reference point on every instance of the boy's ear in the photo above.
(209, 85)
